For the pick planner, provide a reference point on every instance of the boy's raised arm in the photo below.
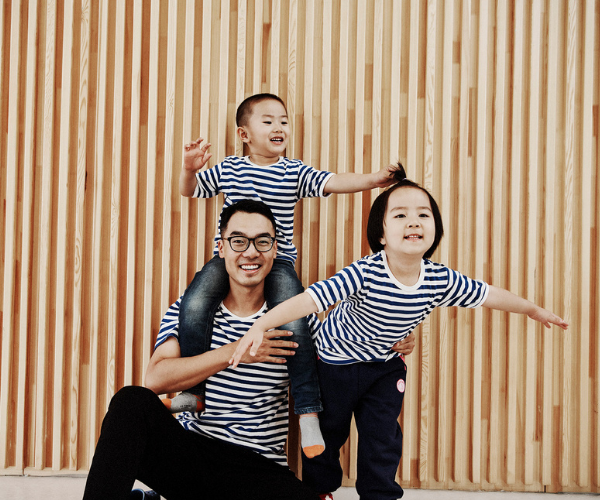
(292, 309)
(503, 300)
(353, 183)
(194, 158)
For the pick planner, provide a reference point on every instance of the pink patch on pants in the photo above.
(401, 385)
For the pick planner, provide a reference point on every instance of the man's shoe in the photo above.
(139, 494)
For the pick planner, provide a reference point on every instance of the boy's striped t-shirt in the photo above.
(247, 406)
(377, 310)
(280, 186)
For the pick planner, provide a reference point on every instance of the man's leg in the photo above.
(140, 439)
(379, 433)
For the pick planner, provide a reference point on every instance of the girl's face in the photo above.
(408, 226)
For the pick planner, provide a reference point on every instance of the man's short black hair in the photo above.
(249, 207)
(244, 110)
(375, 228)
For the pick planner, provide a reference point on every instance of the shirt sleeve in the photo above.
(346, 282)
(169, 325)
(311, 182)
(463, 291)
(208, 182)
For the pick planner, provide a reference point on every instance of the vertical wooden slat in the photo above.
(532, 258)
(240, 88)
(115, 202)
(481, 247)
(569, 219)
(26, 256)
(258, 50)
(97, 408)
(325, 124)
(168, 153)
(516, 232)
(205, 100)
(446, 201)
(585, 255)
(45, 236)
(550, 266)
(341, 201)
(187, 131)
(132, 196)
(11, 235)
(84, 60)
(61, 240)
(151, 172)
(498, 217)
(274, 46)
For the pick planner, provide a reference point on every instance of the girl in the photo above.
(383, 297)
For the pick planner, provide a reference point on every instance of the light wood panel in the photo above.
(493, 106)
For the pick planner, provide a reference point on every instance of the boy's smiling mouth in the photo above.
(413, 237)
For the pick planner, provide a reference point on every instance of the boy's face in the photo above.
(267, 132)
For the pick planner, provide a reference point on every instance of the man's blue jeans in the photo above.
(202, 298)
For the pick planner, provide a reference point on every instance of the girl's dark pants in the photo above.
(140, 439)
(373, 392)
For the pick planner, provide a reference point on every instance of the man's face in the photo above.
(248, 268)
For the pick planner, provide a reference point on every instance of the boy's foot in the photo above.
(185, 402)
(311, 440)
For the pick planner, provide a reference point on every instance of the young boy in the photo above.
(265, 175)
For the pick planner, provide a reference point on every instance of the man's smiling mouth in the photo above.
(249, 267)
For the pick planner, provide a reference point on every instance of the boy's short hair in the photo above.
(244, 110)
(375, 229)
(249, 207)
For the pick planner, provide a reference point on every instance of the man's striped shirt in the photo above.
(280, 186)
(247, 406)
(377, 310)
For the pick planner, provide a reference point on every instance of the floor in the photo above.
(71, 488)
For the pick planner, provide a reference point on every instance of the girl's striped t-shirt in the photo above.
(376, 310)
(280, 186)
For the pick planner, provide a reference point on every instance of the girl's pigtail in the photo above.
(399, 173)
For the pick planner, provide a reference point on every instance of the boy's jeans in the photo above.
(202, 298)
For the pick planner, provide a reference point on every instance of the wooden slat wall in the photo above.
(493, 106)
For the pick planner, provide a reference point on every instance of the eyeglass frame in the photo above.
(250, 240)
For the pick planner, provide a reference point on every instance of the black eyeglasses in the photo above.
(241, 243)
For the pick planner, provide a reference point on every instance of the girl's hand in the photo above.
(405, 346)
(272, 348)
(195, 157)
(547, 318)
(252, 339)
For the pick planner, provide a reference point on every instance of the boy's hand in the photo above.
(195, 156)
(385, 177)
(547, 318)
(252, 339)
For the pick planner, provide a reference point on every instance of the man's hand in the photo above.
(268, 350)
(195, 156)
(405, 346)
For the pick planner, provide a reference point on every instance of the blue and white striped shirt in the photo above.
(247, 406)
(377, 310)
(280, 186)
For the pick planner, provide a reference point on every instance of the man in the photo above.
(235, 448)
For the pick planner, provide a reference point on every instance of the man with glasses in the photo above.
(235, 448)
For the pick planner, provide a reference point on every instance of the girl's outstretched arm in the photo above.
(292, 309)
(503, 300)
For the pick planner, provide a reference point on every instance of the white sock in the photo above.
(312, 440)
